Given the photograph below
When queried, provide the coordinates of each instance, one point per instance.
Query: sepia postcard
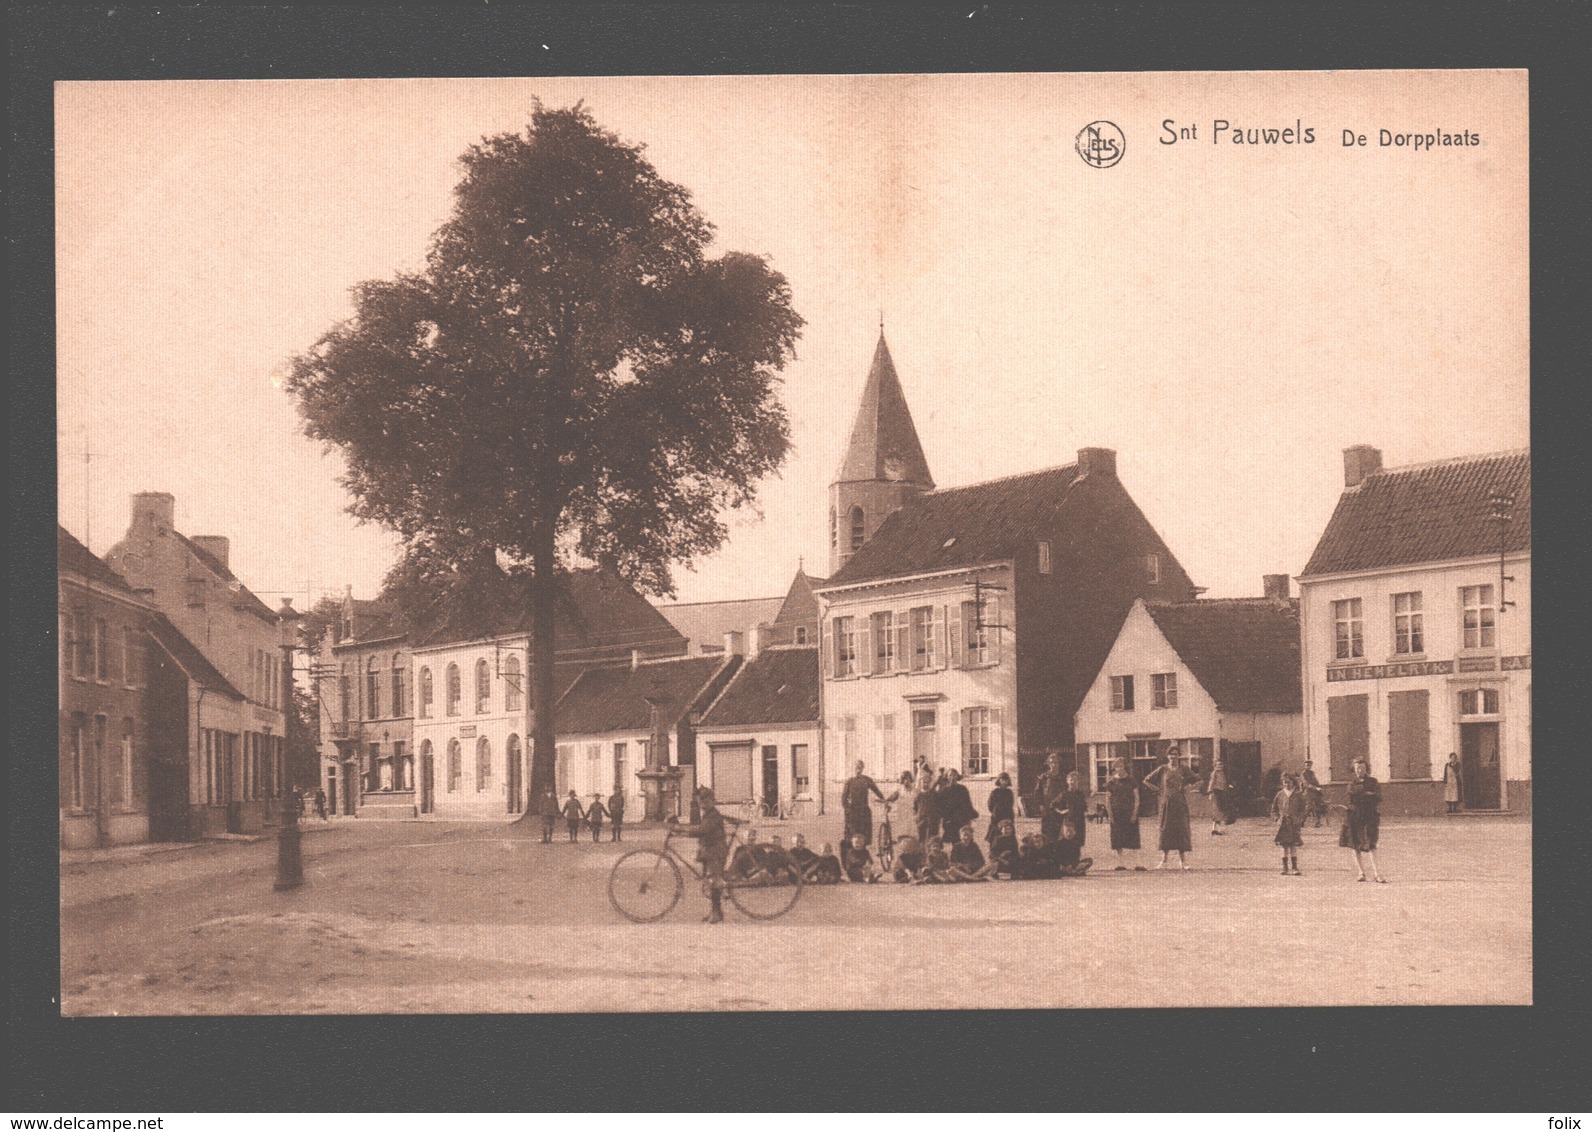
(794, 542)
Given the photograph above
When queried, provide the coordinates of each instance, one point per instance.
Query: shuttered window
(1409, 741)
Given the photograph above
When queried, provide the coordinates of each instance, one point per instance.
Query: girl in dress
(1124, 811)
(1171, 779)
(1362, 821)
(1002, 806)
(1221, 795)
(1288, 807)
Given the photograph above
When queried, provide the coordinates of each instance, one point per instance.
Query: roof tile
(1243, 651)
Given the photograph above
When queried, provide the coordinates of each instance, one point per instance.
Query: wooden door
(1348, 734)
(1478, 758)
(428, 780)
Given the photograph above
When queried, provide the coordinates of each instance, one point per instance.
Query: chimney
(156, 507)
(762, 637)
(635, 659)
(1275, 586)
(1097, 461)
(1358, 462)
(218, 546)
(733, 643)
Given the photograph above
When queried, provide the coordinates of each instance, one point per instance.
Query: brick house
(1415, 611)
(963, 625)
(367, 712)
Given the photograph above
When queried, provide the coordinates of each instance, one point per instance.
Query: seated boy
(1003, 851)
(857, 864)
(909, 859)
(936, 865)
(748, 860)
(1036, 859)
(826, 869)
(967, 859)
(804, 857)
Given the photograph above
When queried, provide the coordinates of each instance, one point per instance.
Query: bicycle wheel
(886, 851)
(645, 885)
(769, 895)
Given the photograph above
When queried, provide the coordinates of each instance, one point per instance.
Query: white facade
(1476, 677)
(472, 749)
(733, 759)
(599, 764)
(1168, 704)
(941, 690)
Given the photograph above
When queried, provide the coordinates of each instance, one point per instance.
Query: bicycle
(645, 884)
(884, 851)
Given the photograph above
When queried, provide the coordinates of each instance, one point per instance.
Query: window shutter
(937, 635)
(992, 618)
(955, 634)
(865, 645)
(997, 742)
(964, 725)
(903, 634)
(826, 649)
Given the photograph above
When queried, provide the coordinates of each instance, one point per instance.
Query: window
(1122, 693)
(801, 767)
(483, 763)
(845, 646)
(848, 740)
(1348, 630)
(455, 765)
(979, 726)
(513, 689)
(1479, 701)
(923, 636)
(981, 632)
(925, 736)
(372, 689)
(1044, 557)
(1152, 568)
(403, 766)
(834, 531)
(100, 727)
(345, 691)
(373, 767)
(561, 772)
(400, 700)
(196, 593)
(102, 658)
(68, 643)
(84, 664)
(1163, 690)
(483, 685)
(801, 634)
(621, 767)
(1408, 635)
(1479, 619)
(884, 642)
(78, 771)
(858, 529)
(425, 693)
(884, 733)
(455, 690)
(123, 794)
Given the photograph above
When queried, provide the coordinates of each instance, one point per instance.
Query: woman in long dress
(1124, 810)
(1453, 784)
(1171, 779)
(1221, 794)
(1363, 820)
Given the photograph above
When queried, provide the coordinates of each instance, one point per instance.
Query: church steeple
(883, 465)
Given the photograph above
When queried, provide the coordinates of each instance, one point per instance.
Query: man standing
(713, 846)
(956, 808)
(1052, 785)
(616, 812)
(854, 804)
(547, 807)
(320, 804)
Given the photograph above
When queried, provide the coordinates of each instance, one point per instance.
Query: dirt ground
(431, 917)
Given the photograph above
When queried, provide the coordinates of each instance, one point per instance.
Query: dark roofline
(187, 656)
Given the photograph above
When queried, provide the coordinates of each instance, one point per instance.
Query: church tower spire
(883, 466)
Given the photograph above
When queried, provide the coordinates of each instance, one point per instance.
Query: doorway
(350, 776)
(1478, 761)
(771, 778)
(428, 779)
(513, 774)
(924, 722)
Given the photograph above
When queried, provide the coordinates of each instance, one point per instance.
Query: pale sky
(1227, 317)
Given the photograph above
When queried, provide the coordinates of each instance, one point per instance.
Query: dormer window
(1044, 557)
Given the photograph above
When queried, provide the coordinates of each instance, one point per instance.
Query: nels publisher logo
(1101, 144)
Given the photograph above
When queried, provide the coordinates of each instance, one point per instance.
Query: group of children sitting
(1032, 858)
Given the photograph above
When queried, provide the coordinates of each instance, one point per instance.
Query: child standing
(1289, 808)
(594, 817)
(573, 815)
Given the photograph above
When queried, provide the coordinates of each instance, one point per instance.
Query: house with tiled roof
(704, 623)
(471, 672)
(1415, 612)
(611, 716)
(962, 626)
(237, 780)
(759, 738)
(1218, 677)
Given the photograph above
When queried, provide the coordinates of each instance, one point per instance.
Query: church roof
(884, 442)
(800, 606)
(1427, 513)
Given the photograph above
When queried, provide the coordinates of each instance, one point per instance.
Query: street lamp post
(289, 853)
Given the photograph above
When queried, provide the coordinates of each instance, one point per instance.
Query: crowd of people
(942, 847)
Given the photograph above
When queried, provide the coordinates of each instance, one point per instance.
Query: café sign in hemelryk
(1429, 668)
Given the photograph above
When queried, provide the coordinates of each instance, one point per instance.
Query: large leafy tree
(572, 379)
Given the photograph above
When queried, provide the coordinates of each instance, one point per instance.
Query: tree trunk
(544, 607)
